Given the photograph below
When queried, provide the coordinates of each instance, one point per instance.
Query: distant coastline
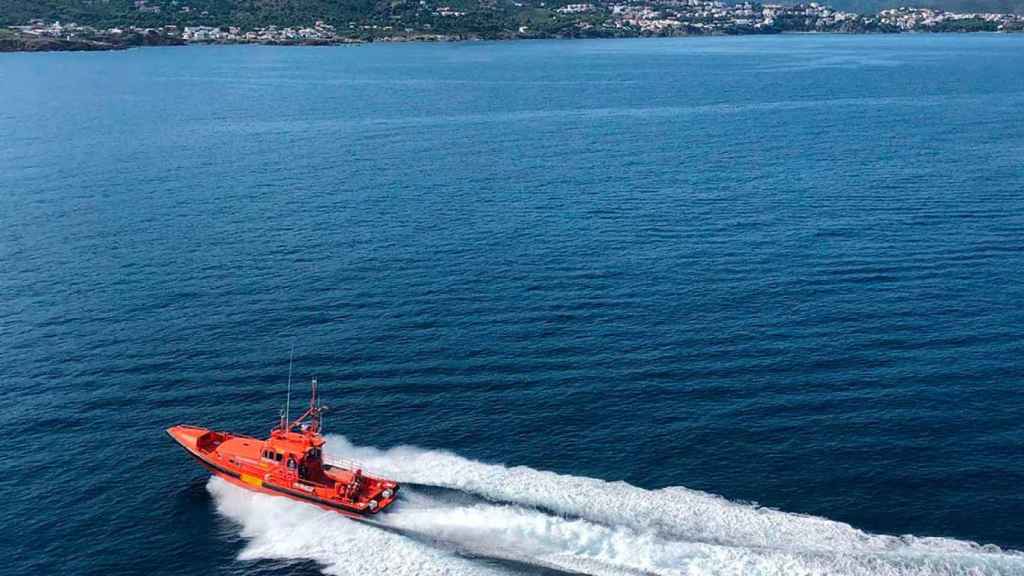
(658, 18)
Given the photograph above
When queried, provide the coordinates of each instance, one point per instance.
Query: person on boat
(354, 485)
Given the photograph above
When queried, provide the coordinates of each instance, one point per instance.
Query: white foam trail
(283, 529)
(678, 514)
(602, 528)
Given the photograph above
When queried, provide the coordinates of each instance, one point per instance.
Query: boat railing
(347, 464)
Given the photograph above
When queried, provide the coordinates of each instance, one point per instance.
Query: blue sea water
(569, 291)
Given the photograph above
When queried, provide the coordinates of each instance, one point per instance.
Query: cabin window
(277, 456)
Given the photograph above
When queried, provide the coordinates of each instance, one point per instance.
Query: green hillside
(154, 12)
(479, 15)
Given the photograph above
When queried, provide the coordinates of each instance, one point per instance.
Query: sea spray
(575, 524)
(283, 529)
(674, 512)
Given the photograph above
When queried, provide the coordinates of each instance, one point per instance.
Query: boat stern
(387, 496)
(381, 496)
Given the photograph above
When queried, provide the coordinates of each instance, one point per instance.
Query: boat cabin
(299, 453)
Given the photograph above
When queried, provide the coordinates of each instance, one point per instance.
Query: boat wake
(459, 516)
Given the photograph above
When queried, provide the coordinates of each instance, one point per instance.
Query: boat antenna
(288, 399)
(313, 409)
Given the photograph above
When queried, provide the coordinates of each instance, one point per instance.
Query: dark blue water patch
(783, 270)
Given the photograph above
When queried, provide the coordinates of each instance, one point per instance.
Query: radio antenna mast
(288, 399)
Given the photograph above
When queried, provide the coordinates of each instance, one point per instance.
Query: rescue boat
(289, 463)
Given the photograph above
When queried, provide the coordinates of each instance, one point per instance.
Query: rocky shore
(17, 41)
